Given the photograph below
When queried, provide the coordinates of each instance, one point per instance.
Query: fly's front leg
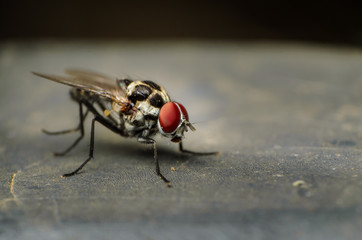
(91, 149)
(196, 153)
(158, 172)
(80, 127)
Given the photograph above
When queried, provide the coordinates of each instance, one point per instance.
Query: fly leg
(195, 153)
(80, 128)
(105, 123)
(147, 140)
(69, 130)
(91, 149)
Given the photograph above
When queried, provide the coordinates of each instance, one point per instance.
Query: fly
(129, 108)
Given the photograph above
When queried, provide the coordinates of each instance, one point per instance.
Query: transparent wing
(92, 82)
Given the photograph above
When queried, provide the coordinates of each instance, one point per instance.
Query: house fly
(130, 108)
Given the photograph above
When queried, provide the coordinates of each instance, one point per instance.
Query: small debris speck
(278, 175)
(302, 188)
(299, 183)
(173, 169)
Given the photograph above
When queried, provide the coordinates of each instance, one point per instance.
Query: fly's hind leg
(195, 153)
(80, 128)
(105, 123)
(91, 150)
(148, 140)
(81, 116)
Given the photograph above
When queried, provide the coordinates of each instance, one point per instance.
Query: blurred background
(331, 22)
(276, 87)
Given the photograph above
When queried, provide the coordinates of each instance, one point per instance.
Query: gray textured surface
(277, 113)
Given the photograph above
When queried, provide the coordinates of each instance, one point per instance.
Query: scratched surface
(286, 118)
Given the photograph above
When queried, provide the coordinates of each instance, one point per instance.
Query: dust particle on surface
(299, 183)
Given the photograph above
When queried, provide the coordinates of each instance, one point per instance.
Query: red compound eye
(183, 110)
(169, 117)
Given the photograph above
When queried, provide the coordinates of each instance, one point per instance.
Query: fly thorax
(147, 109)
(136, 119)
